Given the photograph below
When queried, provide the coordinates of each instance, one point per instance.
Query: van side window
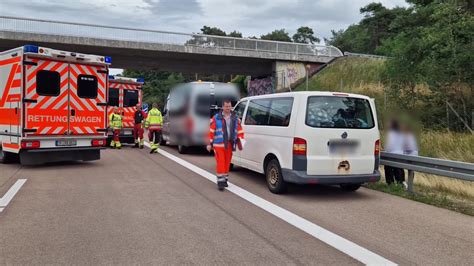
(113, 97)
(258, 112)
(48, 83)
(280, 112)
(240, 108)
(87, 86)
(130, 98)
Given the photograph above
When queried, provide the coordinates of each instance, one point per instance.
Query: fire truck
(125, 94)
(52, 105)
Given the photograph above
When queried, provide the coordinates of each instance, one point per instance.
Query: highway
(135, 208)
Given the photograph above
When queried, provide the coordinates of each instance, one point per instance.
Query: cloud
(251, 17)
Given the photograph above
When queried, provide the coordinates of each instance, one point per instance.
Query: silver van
(188, 109)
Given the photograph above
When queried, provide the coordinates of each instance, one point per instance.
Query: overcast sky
(251, 17)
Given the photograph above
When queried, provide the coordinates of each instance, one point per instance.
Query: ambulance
(124, 94)
(53, 105)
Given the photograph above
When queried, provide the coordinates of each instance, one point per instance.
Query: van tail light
(34, 144)
(98, 142)
(299, 146)
(189, 125)
(377, 147)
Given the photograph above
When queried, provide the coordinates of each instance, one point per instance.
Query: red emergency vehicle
(52, 105)
(125, 93)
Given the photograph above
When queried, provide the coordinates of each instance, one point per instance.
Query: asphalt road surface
(135, 208)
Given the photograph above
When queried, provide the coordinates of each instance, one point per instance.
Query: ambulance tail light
(98, 143)
(30, 49)
(30, 144)
(299, 146)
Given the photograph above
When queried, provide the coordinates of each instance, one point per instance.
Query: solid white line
(355, 251)
(11, 192)
(1, 209)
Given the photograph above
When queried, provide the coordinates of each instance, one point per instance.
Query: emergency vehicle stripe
(44, 104)
(89, 130)
(8, 84)
(45, 130)
(78, 130)
(75, 71)
(57, 130)
(101, 83)
(10, 61)
(38, 68)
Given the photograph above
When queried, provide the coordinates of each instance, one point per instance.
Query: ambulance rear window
(47, 83)
(87, 86)
(113, 97)
(130, 98)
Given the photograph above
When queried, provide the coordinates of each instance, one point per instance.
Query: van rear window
(87, 86)
(113, 97)
(338, 112)
(47, 83)
(130, 98)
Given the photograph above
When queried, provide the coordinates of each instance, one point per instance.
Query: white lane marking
(350, 248)
(11, 193)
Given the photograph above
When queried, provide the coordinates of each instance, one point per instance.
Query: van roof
(307, 93)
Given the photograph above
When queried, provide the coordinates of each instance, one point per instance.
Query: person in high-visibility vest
(138, 118)
(225, 134)
(115, 123)
(153, 123)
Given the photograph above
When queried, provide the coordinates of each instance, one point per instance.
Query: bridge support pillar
(286, 76)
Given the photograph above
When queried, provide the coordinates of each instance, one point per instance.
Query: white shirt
(395, 142)
(410, 145)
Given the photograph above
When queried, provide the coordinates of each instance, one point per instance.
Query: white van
(310, 138)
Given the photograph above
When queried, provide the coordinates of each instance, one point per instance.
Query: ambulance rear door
(46, 97)
(87, 96)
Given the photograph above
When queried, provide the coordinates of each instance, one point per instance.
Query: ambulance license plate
(66, 142)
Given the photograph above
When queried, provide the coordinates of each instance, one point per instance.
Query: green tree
(305, 35)
(212, 31)
(235, 34)
(277, 35)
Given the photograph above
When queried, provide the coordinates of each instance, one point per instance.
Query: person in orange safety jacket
(225, 134)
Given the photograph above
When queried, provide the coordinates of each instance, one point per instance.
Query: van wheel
(182, 149)
(350, 187)
(6, 157)
(274, 176)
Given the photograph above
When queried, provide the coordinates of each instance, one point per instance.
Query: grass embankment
(363, 76)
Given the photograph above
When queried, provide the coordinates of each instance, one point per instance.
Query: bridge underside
(167, 57)
(166, 61)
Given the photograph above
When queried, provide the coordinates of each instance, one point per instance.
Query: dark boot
(221, 183)
(136, 145)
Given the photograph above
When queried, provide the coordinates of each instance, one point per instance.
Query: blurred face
(155, 105)
(227, 107)
(139, 107)
(116, 110)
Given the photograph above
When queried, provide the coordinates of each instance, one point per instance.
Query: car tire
(274, 177)
(6, 157)
(182, 149)
(350, 187)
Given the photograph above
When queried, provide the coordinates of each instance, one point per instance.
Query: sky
(250, 17)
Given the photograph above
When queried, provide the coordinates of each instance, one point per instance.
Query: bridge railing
(70, 29)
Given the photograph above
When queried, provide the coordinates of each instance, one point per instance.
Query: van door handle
(73, 112)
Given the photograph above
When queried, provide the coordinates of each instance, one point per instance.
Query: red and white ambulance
(52, 105)
(125, 94)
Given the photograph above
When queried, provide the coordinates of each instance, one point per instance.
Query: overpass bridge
(163, 50)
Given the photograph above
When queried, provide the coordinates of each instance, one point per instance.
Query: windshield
(339, 112)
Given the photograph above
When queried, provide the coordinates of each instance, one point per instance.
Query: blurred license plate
(343, 146)
(66, 142)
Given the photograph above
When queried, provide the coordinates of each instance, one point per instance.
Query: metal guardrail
(366, 55)
(452, 169)
(70, 29)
